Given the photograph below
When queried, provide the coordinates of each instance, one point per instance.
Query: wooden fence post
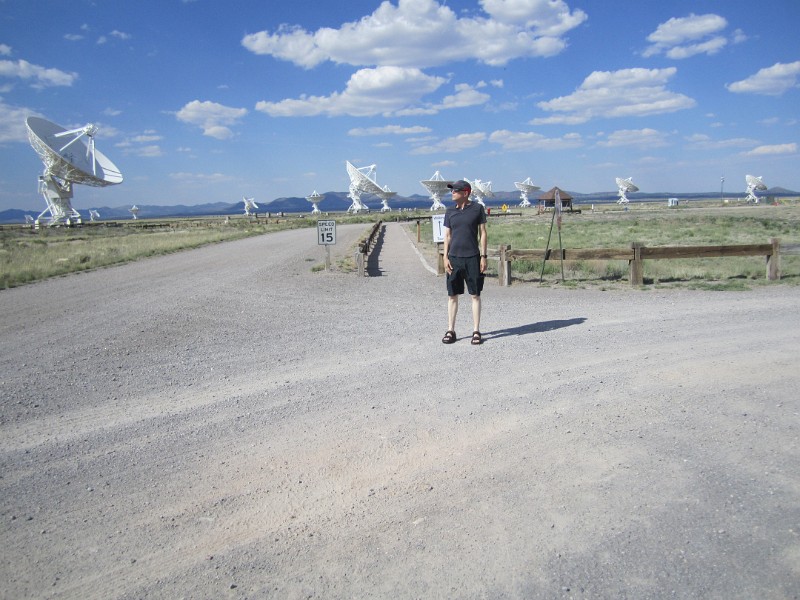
(774, 260)
(439, 258)
(504, 265)
(636, 264)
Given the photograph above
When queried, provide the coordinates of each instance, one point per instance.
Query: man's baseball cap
(460, 186)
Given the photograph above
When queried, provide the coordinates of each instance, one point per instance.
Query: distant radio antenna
(362, 181)
(134, 210)
(525, 188)
(249, 205)
(481, 190)
(753, 184)
(93, 214)
(625, 186)
(437, 187)
(66, 162)
(315, 199)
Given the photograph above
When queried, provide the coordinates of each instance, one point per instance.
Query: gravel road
(226, 423)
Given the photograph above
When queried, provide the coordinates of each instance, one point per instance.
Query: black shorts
(465, 269)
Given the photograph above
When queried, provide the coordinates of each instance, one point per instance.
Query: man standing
(464, 258)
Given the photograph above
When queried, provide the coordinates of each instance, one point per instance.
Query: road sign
(438, 228)
(326, 233)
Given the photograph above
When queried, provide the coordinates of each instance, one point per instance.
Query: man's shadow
(373, 266)
(534, 328)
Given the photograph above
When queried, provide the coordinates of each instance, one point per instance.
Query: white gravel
(225, 423)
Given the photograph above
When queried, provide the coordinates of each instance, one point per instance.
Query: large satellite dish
(315, 199)
(134, 210)
(625, 186)
(69, 156)
(249, 205)
(480, 190)
(362, 181)
(525, 187)
(437, 187)
(754, 184)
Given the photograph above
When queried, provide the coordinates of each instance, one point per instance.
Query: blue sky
(202, 101)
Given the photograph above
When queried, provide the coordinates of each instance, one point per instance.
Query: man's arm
(484, 246)
(447, 266)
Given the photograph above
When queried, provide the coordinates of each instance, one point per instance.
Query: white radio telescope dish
(480, 190)
(362, 181)
(754, 184)
(525, 188)
(69, 156)
(625, 186)
(437, 187)
(249, 204)
(315, 199)
(134, 210)
(93, 214)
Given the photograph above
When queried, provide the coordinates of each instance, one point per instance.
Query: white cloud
(12, 122)
(700, 141)
(424, 33)
(458, 143)
(609, 94)
(213, 118)
(120, 35)
(42, 77)
(646, 138)
(770, 81)
(772, 150)
(383, 90)
(515, 141)
(201, 177)
(73, 37)
(388, 129)
(686, 36)
(112, 112)
(5, 50)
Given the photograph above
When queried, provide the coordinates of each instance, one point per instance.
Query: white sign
(326, 233)
(438, 228)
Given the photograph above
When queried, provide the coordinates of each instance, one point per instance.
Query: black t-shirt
(464, 225)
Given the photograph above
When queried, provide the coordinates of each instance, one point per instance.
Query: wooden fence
(636, 254)
(365, 247)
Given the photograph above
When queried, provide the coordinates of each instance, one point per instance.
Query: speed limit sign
(326, 233)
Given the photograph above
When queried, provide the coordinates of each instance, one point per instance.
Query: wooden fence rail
(636, 254)
(365, 247)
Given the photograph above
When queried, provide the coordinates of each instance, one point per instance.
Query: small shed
(548, 199)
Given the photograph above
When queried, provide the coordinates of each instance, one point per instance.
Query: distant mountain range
(339, 202)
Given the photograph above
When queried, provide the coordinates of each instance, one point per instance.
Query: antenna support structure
(525, 187)
(249, 205)
(481, 190)
(64, 166)
(437, 187)
(362, 181)
(315, 199)
(753, 184)
(625, 186)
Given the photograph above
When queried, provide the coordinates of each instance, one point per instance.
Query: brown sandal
(449, 337)
(476, 338)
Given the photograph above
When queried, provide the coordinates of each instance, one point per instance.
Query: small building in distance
(548, 199)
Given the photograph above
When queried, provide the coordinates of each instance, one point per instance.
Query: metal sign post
(326, 236)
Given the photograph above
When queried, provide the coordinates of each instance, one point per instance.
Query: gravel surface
(226, 423)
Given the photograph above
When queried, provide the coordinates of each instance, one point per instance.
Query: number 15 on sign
(326, 235)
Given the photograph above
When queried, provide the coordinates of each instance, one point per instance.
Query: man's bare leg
(452, 311)
(476, 313)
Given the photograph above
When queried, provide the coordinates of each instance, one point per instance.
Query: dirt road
(225, 423)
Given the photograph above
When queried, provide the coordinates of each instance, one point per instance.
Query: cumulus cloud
(12, 122)
(41, 77)
(687, 36)
(369, 92)
(515, 141)
(424, 33)
(465, 96)
(772, 150)
(610, 94)
(770, 81)
(201, 178)
(458, 143)
(646, 138)
(211, 117)
(5, 50)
